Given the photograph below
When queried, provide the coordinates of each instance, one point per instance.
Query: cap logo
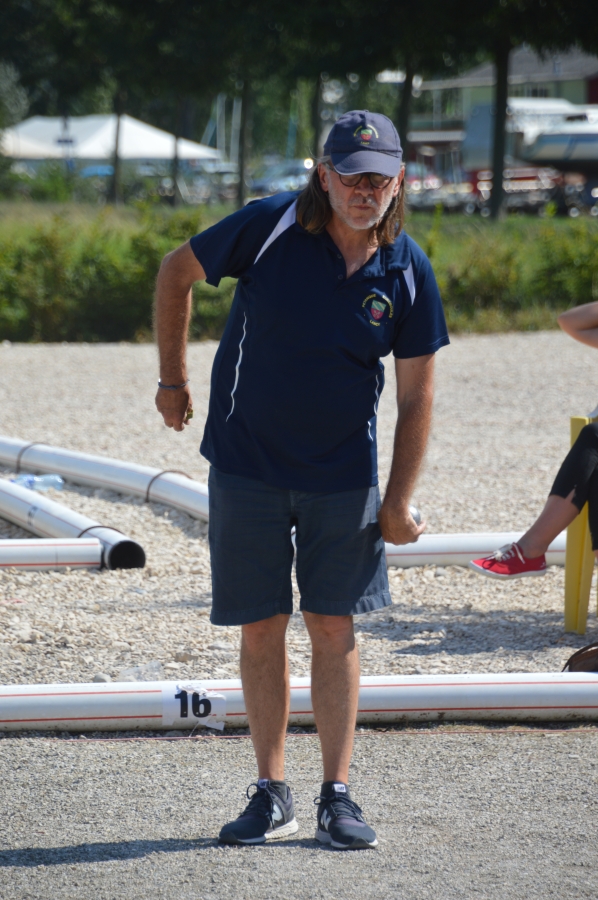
(365, 133)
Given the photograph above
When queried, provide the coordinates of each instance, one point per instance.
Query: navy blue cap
(362, 141)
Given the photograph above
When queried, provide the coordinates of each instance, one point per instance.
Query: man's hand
(397, 525)
(175, 406)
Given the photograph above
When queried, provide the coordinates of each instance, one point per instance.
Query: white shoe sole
(284, 831)
(290, 828)
(488, 574)
(324, 838)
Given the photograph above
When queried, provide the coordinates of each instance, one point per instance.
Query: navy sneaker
(340, 822)
(269, 814)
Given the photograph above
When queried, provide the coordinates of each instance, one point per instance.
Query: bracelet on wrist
(172, 387)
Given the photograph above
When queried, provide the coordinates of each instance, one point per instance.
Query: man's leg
(252, 557)
(341, 571)
(335, 695)
(334, 689)
(265, 676)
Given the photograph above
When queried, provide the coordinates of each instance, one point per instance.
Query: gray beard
(378, 212)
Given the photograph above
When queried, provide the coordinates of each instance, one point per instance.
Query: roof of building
(525, 66)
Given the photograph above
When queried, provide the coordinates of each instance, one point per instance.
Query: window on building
(538, 91)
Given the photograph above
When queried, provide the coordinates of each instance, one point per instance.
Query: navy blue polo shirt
(297, 377)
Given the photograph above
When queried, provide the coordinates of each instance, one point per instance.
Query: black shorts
(341, 563)
(579, 473)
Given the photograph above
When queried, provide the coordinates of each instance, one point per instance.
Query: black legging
(579, 472)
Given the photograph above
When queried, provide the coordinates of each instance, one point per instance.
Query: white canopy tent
(93, 138)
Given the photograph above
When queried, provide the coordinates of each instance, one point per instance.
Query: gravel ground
(493, 815)
(500, 430)
(461, 812)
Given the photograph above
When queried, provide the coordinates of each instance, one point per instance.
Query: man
(328, 284)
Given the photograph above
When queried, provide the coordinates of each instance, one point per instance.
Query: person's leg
(569, 493)
(558, 513)
(252, 555)
(571, 490)
(335, 696)
(593, 511)
(341, 571)
(334, 689)
(265, 677)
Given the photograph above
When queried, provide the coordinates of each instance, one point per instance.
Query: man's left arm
(415, 394)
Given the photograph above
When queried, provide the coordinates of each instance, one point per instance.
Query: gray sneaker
(269, 814)
(340, 821)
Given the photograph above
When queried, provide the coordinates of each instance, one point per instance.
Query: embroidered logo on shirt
(377, 309)
(375, 306)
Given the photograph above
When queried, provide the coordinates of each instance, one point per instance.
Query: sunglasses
(377, 181)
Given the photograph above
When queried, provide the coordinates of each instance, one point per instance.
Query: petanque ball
(415, 515)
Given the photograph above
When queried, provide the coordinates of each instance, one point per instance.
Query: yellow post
(579, 558)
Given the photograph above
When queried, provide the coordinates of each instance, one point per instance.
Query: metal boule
(415, 514)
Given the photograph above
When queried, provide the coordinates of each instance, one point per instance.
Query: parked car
(425, 191)
(291, 175)
(527, 189)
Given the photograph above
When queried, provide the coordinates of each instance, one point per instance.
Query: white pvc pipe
(548, 696)
(55, 553)
(192, 497)
(46, 518)
(459, 549)
(171, 488)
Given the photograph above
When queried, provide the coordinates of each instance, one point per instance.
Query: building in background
(569, 76)
(552, 128)
(443, 108)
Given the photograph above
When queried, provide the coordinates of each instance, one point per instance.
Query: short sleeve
(423, 330)
(230, 247)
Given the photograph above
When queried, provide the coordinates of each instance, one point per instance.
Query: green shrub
(52, 182)
(36, 301)
(97, 283)
(175, 227)
(488, 275)
(568, 270)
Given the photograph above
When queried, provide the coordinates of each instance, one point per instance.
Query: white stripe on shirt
(285, 222)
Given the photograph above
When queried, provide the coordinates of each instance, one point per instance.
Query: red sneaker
(509, 562)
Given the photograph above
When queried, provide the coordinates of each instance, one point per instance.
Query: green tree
(13, 97)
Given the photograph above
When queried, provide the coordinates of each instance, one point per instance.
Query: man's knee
(258, 636)
(332, 633)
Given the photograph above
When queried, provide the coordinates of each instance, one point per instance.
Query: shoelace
(260, 803)
(507, 552)
(341, 806)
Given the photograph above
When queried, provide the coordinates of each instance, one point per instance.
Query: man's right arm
(178, 273)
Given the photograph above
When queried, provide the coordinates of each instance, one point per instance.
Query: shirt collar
(394, 256)
(398, 255)
(387, 259)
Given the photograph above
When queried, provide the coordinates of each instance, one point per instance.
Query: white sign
(189, 704)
